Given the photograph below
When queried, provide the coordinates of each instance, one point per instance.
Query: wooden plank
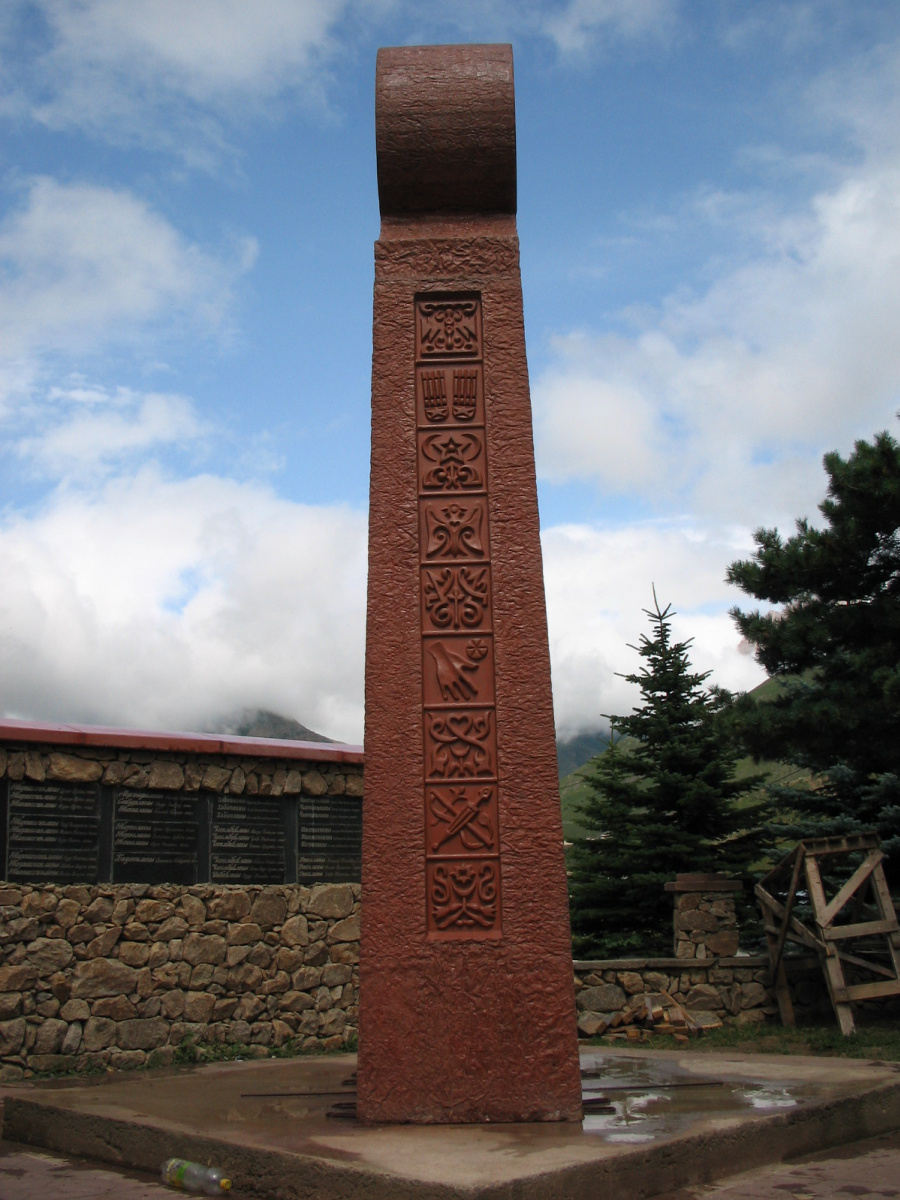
(863, 929)
(841, 845)
(782, 989)
(875, 968)
(856, 880)
(886, 908)
(778, 949)
(779, 871)
(803, 935)
(838, 991)
(871, 991)
(814, 887)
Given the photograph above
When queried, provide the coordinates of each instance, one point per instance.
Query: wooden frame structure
(860, 912)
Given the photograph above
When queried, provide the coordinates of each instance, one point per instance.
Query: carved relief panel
(462, 834)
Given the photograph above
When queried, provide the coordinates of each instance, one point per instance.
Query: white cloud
(724, 400)
(80, 264)
(113, 427)
(159, 71)
(598, 583)
(583, 20)
(164, 603)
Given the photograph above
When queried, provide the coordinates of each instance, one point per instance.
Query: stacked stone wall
(734, 990)
(110, 975)
(181, 771)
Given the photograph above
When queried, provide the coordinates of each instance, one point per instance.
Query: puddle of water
(644, 1108)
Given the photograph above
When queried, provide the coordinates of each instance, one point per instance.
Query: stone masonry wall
(109, 975)
(704, 920)
(735, 990)
(184, 771)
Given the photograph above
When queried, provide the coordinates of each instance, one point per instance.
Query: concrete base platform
(673, 1120)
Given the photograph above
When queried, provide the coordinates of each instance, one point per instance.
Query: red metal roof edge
(208, 743)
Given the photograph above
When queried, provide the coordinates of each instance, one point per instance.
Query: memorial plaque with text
(247, 840)
(155, 837)
(330, 839)
(53, 832)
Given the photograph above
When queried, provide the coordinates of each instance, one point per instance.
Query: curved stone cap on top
(445, 130)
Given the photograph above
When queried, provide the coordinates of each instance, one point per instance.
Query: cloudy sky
(709, 211)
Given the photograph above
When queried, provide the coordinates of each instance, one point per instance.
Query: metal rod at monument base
(467, 1010)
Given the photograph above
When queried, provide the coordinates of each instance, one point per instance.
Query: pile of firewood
(663, 1016)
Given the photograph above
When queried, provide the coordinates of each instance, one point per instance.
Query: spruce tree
(835, 643)
(662, 801)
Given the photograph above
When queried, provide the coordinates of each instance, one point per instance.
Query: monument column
(467, 1007)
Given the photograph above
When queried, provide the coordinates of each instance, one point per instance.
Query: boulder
(12, 1036)
(215, 778)
(696, 919)
(199, 1006)
(230, 906)
(336, 973)
(245, 934)
(703, 997)
(98, 1033)
(314, 784)
(344, 952)
(49, 955)
(348, 930)
(331, 900)
(67, 913)
(135, 954)
(117, 1008)
(19, 929)
(172, 929)
(10, 1003)
(150, 911)
(269, 908)
(725, 943)
(753, 995)
(203, 948)
(50, 1036)
(102, 977)
(75, 1010)
(104, 942)
(72, 1040)
(69, 768)
(51, 1062)
(142, 1033)
(20, 978)
(166, 775)
(296, 1002)
(591, 1023)
(605, 997)
(295, 931)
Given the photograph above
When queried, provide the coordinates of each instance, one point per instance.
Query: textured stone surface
(457, 98)
(605, 997)
(473, 1029)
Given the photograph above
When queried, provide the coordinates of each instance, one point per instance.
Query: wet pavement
(663, 1119)
(867, 1168)
(32, 1175)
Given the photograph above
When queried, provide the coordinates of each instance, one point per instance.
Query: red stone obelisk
(467, 1009)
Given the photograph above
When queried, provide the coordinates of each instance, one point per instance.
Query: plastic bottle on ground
(194, 1177)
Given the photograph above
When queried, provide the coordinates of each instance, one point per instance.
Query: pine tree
(836, 644)
(662, 801)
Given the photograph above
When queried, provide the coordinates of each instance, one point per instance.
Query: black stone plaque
(53, 832)
(248, 841)
(155, 837)
(330, 839)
